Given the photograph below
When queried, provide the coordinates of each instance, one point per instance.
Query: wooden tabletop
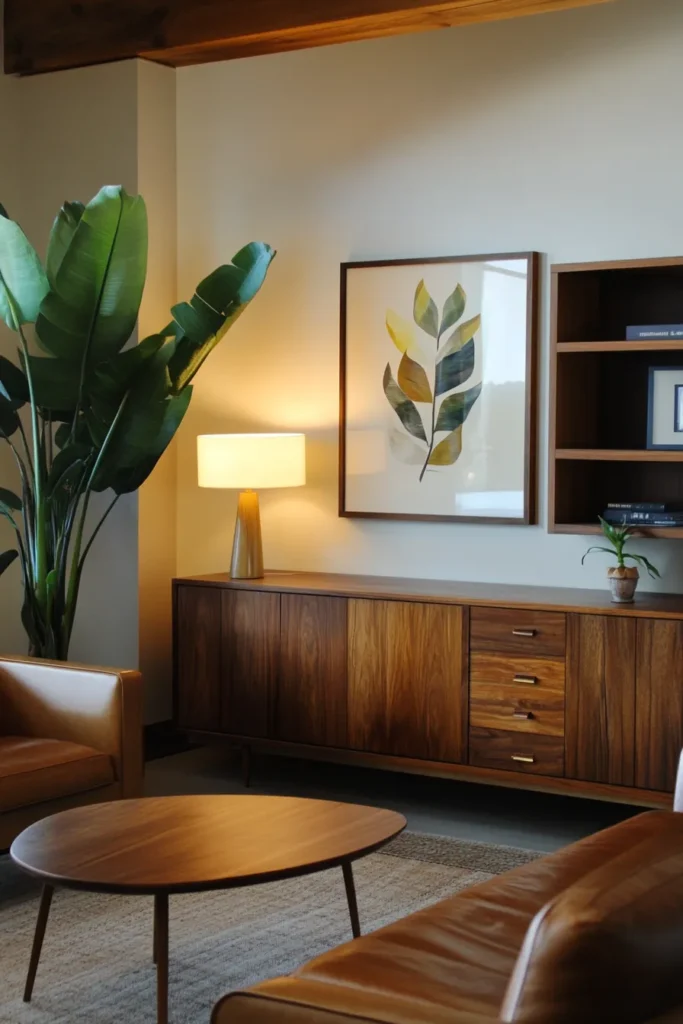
(193, 843)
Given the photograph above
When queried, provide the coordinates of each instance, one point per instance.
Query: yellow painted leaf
(460, 336)
(413, 380)
(400, 331)
(447, 451)
(425, 312)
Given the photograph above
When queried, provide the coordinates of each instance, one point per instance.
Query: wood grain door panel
(250, 660)
(601, 699)
(198, 659)
(407, 679)
(310, 705)
(659, 701)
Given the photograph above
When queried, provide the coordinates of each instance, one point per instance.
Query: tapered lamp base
(247, 551)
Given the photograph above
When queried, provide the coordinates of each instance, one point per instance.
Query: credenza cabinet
(521, 686)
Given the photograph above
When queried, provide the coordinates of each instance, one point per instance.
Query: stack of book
(643, 513)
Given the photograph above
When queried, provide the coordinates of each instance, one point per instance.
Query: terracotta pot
(623, 583)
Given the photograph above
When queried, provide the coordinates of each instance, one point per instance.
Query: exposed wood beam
(51, 35)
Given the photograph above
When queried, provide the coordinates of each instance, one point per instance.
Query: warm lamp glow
(251, 460)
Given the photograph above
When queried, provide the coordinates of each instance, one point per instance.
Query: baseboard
(162, 739)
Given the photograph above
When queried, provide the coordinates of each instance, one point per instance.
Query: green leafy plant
(453, 365)
(88, 416)
(618, 538)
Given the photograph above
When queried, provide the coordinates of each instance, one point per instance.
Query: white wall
(561, 133)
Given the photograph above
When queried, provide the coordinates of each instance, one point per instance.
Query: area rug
(96, 965)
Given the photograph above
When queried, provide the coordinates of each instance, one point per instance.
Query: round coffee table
(179, 844)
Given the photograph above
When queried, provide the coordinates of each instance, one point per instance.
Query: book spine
(645, 519)
(655, 332)
(637, 506)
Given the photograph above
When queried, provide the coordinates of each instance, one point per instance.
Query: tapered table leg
(161, 951)
(351, 897)
(154, 935)
(41, 925)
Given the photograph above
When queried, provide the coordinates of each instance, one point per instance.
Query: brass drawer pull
(522, 714)
(523, 759)
(527, 680)
(524, 632)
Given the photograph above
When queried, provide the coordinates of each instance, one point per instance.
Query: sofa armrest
(97, 707)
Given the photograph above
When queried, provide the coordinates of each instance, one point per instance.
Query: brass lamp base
(247, 551)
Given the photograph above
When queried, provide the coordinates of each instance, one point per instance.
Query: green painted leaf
(9, 421)
(413, 380)
(63, 229)
(6, 560)
(425, 312)
(92, 307)
(456, 408)
(455, 369)
(460, 336)
(23, 283)
(10, 500)
(405, 449)
(453, 309)
(447, 451)
(403, 407)
(13, 383)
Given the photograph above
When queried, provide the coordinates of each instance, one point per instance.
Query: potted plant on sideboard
(623, 579)
(87, 416)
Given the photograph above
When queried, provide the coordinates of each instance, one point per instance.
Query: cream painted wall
(561, 133)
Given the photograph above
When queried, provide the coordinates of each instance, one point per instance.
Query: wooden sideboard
(530, 687)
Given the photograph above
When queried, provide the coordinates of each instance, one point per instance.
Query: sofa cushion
(611, 946)
(457, 956)
(36, 770)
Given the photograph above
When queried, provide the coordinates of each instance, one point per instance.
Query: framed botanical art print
(438, 388)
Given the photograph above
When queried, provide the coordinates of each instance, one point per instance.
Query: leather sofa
(592, 934)
(69, 735)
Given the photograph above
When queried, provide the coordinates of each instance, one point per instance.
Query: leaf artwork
(453, 362)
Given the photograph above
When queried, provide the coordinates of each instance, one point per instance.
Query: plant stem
(431, 443)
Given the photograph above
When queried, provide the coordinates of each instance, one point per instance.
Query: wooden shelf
(619, 346)
(594, 529)
(618, 455)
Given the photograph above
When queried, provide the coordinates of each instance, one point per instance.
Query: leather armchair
(69, 735)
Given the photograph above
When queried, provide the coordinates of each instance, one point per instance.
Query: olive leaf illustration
(453, 365)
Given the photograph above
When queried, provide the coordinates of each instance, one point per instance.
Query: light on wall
(245, 462)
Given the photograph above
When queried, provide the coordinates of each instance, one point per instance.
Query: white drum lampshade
(245, 462)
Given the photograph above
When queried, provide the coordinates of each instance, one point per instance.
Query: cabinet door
(250, 655)
(198, 657)
(659, 703)
(407, 679)
(600, 699)
(311, 693)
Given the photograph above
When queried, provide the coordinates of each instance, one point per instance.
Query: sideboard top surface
(566, 599)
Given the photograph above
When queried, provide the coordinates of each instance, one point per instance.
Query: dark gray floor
(486, 814)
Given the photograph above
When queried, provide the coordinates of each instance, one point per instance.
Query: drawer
(517, 670)
(515, 630)
(517, 708)
(515, 752)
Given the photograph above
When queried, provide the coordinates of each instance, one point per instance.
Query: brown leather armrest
(98, 707)
(245, 1008)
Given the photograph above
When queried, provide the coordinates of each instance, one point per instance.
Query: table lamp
(246, 462)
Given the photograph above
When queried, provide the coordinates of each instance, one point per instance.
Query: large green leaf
(10, 501)
(91, 310)
(403, 407)
(23, 283)
(456, 408)
(455, 369)
(6, 560)
(130, 479)
(63, 229)
(9, 421)
(13, 383)
(217, 303)
(425, 312)
(453, 309)
(55, 383)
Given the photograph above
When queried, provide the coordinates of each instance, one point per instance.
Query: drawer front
(515, 752)
(517, 631)
(520, 671)
(522, 709)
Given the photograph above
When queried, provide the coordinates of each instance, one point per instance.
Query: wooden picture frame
(381, 433)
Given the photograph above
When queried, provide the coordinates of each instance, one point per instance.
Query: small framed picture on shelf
(665, 408)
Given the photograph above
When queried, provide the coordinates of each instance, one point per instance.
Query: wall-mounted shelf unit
(599, 390)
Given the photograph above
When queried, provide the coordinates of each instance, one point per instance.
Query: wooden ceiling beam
(52, 35)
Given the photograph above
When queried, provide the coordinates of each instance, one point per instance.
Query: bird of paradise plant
(85, 416)
(453, 365)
